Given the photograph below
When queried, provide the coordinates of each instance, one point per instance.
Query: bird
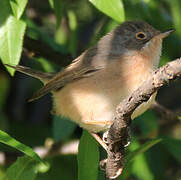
(89, 89)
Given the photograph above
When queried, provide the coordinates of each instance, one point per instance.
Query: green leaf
(111, 25)
(72, 46)
(2, 173)
(25, 168)
(46, 65)
(147, 128)
(11, 36)
(72, 20)
(58, 6)
(179, 117)
(18, 7)
(137, 161)
(112, 8)
(88, 157)
(62, 128)
(143, 148)
(63, 167)
(175, 9)
(140, 167)
(174, 147)
(8, 140)
(35, 32)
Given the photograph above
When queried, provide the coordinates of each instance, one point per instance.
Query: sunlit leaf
(111, 25)
(179, 117)
(72, 20)
(175, 9)
(8, 140)
(25, 168)
(88, 158)
(72, 46)
(11, 35)
(47, 66)
(113, 8)
(18, 7)
(61, 36)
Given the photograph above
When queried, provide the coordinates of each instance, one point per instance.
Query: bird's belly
(92, 107)
(91, 102)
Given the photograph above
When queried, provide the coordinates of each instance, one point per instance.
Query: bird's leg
(98, 122)
(104, 137)
(99, 140)
(96, 136)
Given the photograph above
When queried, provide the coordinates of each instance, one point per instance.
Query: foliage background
(62, 30)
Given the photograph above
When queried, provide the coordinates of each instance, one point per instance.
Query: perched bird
(89, 89)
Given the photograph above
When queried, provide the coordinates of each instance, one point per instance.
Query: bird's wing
(77, 70)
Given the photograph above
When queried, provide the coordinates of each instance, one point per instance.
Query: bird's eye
(140, 35)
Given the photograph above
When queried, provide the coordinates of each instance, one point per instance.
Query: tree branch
(118, 132)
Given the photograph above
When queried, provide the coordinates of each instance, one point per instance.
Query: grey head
(133, 35)
(126, 38)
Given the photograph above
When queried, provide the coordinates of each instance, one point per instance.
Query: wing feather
(74, 71)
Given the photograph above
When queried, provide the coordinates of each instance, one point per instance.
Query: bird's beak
(165, 34)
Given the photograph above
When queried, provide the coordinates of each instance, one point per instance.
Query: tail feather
(44, 77)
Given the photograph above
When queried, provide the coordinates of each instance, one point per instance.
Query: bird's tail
(44, 77)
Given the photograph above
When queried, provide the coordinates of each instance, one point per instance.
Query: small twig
(167, 117)
(118, 133)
